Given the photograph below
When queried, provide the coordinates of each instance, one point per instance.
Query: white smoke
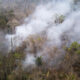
(29, 61)
(43, 20)
(40, 20)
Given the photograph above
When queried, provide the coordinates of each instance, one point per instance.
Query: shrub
(18, 55)
(59, 19)
(3, 21)
(74, 47)
(5, 17)
(71, 77)
(78, 51)
(39, 61)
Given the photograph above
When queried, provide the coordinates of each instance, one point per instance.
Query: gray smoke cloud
(43, 20)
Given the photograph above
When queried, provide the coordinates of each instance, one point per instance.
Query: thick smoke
(43, 21)
(29, 61)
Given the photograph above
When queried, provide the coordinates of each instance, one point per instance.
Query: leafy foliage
(75, 48)
(39, 61)
(5, 17)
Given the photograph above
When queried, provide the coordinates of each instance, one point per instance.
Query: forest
(39, 40)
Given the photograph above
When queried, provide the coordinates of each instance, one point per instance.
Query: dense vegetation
(5, 18)
(11, 67)
(69, 69)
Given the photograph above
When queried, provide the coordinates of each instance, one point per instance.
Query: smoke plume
(57, 20)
